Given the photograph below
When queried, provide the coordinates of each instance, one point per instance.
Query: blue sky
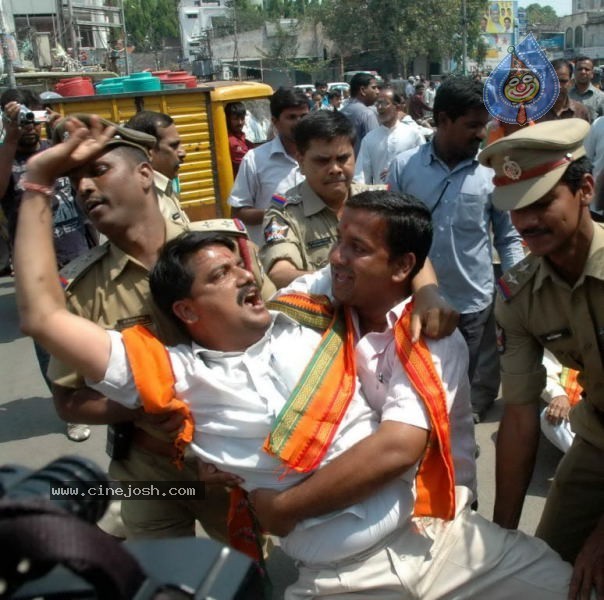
(562, 7)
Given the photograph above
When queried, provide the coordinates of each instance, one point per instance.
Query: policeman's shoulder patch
(280, 202)
(275, 232)
(228, 226)
(78, 267)
(517, 277)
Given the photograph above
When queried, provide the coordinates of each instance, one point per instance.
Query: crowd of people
(321, 359)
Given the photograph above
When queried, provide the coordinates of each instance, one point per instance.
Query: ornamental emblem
(274, 232)
(511, 169)
(524, 86)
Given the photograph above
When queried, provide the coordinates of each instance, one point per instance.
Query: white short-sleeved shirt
(234, 398)
(389, 391)
(264, 171)
(380, 146)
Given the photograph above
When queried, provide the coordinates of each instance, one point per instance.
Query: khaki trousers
(575, 502)
(168, 517)
(431, 559)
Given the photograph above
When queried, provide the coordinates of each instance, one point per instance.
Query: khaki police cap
(123, 136)
(530, 162)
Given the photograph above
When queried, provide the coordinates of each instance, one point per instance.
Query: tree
(284, 44)
(400, 30)
(541, 15)
(480, 52)
(150, 22)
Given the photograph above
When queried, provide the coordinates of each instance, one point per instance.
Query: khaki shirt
(169, 204)
(301, 228)
(537, 309)
(111, 288)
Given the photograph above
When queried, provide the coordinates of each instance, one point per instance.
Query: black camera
(51, 548)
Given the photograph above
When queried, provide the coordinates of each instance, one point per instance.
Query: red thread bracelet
(30, 186)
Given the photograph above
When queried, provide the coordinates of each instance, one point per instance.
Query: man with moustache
(584, 91)
(166, 157)
(300, 225)
(552, 300)
(110, 286)
(380, 146)
(564, 107)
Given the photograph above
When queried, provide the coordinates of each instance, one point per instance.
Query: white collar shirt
(388, 390)
(264, 171)
(234, 398)
(380, 146)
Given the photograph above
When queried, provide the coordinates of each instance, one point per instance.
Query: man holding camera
(22, 121)
(23, 127)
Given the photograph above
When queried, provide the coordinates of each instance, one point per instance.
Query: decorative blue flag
(523, 86)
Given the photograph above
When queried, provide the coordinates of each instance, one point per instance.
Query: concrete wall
(252, 44)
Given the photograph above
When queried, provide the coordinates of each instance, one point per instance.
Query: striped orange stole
(568, 380)
(435, 479)
(305, 426)
(308, 422)
(154, 379)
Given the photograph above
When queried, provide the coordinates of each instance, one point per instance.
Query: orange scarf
(435, 479)
(568, 379)
(306, 425)
(154, 379)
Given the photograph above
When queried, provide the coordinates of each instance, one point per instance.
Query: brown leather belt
(150, 443)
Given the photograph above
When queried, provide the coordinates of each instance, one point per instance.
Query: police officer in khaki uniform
(166, 157)
(554, 299)
(300, 226)
(110, 286)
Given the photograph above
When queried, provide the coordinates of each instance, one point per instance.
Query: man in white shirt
(381, 145)
(270, 168)
(240, 368)
(467, 557)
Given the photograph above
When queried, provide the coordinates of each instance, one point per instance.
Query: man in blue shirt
(447, 177)
(363, 92)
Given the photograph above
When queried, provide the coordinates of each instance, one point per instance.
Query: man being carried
(110, 286)
(240, 365)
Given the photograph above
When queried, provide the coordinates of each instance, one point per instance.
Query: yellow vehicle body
(206, 176)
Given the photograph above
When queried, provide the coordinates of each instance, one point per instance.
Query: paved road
(32, 435)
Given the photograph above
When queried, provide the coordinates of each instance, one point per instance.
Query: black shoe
(477, 451)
